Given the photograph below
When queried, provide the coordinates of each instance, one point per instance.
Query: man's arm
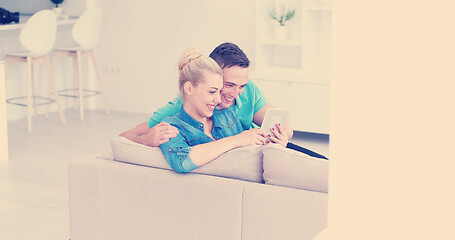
(153, 133)
(261, 103)
(152, 137)
(258, 117)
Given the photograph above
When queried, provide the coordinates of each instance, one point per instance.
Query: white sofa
(257, 192)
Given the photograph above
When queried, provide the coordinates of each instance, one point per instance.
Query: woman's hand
(255, 136)
(280, 135)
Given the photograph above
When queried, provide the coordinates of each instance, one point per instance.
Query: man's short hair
(229, 55)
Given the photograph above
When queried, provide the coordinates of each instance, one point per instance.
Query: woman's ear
(188, 88)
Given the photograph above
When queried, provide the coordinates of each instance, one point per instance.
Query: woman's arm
(183, 158)
(204, 153)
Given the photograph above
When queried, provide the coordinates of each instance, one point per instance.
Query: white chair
(85, 32)
(38, 37)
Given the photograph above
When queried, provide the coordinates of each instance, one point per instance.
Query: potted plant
(57, 10)
(281, 12)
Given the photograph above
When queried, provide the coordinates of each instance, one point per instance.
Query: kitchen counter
(23, 18)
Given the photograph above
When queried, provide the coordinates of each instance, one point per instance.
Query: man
(238, 93)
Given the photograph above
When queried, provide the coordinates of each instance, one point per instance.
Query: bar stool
(85, 32)
(38, 37)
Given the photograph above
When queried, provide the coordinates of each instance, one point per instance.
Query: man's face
(235, 79)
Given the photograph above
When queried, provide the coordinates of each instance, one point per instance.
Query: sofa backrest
(242, 163)
(270, 164)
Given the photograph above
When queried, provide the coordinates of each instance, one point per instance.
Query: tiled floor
(33, 183)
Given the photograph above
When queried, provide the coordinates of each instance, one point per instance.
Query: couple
(190, 131)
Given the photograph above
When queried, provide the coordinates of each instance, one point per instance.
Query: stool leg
(100, 84)
(49, 95)
(54, 60)
(79, 78)
(54, 88)
(29, 93)
(75, 78)
(32, 73)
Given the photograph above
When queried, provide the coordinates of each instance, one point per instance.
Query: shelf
(295, 73)
(319, 8)
(291, 76)
(307, 48)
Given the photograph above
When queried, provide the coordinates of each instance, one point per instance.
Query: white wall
(146, 38)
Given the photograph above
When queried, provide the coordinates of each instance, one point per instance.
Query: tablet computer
(272, 117)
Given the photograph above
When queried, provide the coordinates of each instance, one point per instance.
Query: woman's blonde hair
(192, 65)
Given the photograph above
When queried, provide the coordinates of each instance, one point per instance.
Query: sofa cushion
(271, 212)
(289, 168)
(243, 163)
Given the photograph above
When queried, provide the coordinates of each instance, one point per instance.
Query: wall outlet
(113, 70)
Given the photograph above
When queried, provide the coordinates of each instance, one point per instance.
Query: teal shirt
(246, 105)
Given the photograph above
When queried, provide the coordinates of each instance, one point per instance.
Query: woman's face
(205, 96)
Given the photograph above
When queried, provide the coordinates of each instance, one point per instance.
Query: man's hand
(159, 134)
(280, 135)
(152, 137)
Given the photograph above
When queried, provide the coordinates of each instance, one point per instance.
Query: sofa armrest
(139, 202)
(115, 200)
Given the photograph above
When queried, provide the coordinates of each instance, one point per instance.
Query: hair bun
(188, 55)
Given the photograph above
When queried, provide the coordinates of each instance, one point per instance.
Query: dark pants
(304, 150)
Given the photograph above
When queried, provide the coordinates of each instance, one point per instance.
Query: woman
(204, 132)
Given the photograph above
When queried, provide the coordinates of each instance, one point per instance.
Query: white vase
(280, 32)
(58, 11)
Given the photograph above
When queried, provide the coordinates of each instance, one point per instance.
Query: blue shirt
(246, 105)
(191, 133)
